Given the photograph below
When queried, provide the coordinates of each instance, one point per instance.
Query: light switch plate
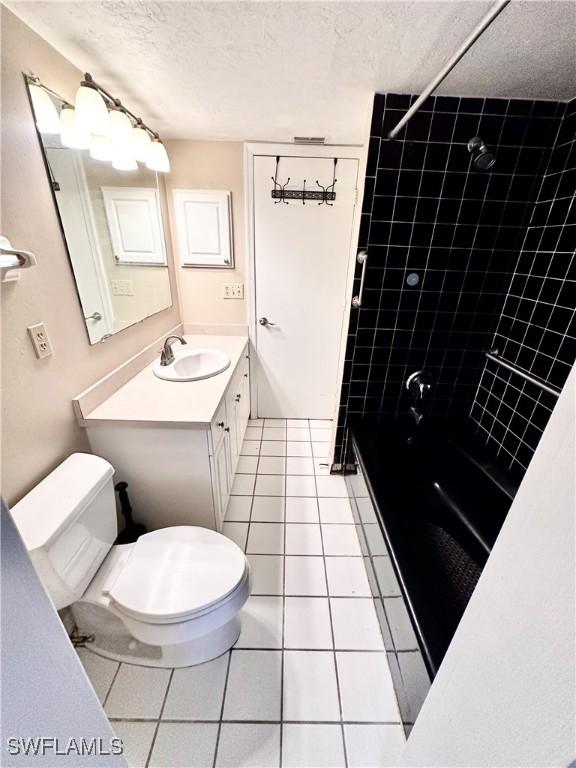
(122, 288)
(40, 341)
(233, 290)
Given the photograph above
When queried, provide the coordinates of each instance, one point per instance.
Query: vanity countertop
(146, 399)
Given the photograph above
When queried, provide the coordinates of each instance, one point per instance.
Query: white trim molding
(253, 149)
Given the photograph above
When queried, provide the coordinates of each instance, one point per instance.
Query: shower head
(482, 157)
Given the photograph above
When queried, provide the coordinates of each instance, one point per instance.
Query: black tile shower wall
(537, 326)
(455, 230)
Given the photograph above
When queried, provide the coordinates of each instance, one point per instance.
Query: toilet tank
(68, 524)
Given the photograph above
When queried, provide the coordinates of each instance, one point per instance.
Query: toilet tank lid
(58, 499)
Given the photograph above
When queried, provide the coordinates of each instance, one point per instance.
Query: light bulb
(120, 128)
(123, 162)
(158, 157)
(120, 137)
(141, 143)
(91, 110)
(45, 112)
(101, 148)
(71, 134)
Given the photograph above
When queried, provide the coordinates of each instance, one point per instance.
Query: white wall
(39, 428)
(209, 165)
(505, 693)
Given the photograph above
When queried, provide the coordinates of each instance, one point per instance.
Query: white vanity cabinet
(179, 472)
(227, 433)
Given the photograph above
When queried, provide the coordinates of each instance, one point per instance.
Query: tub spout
(416, 415)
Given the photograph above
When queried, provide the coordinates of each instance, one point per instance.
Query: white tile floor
(307, 683)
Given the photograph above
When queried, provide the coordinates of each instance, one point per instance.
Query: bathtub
(428, 509)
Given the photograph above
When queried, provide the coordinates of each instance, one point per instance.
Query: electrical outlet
(40, 341)
(233, 290)
(122, 288)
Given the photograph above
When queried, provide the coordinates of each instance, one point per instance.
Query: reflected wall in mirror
(112, 225)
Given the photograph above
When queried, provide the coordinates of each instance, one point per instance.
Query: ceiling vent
(309, 139)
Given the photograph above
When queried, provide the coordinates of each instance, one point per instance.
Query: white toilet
(171, 599)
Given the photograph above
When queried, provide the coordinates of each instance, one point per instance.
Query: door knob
(94, 316)
(265, 321)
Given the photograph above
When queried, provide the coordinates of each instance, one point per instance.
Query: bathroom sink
(193, 364)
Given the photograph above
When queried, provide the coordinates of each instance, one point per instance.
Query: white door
(135, 224)
(301, 255)
(81, 233)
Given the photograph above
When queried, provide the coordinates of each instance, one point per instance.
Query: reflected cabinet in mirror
(112, 224)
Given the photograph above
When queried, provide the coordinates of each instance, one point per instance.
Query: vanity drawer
(218, 424)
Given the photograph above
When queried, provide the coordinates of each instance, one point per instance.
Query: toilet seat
(176, 574)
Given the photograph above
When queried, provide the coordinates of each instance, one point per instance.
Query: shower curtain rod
(496, 9)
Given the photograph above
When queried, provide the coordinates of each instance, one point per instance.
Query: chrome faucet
(418, 384)
(166, 354)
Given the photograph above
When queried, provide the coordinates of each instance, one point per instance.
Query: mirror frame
(163, 209)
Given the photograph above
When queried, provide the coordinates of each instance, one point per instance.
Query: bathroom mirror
(112, 224)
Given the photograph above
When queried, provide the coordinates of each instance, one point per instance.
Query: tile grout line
(246, 540)
(173, 721)
(259, 648)
(284, 556)
(220, 720)
(334, 658)
(280, 756)
(105, 700)
(245, 547)
(159, 719)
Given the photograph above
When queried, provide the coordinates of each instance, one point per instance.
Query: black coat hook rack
(324, 194)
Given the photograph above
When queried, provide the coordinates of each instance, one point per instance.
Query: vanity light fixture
(124, 162)
(71, 134)
(101, 148)
(45, 110)
(142, 141)
(100, 123)
(91, 109)
(158, 157)
(120, 137)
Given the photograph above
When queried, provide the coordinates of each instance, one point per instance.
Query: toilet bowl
(170, 599)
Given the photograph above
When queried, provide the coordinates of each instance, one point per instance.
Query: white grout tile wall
(308, 682)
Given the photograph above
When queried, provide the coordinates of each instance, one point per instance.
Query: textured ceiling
(272, 70)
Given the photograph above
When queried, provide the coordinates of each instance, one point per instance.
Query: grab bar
(361, 258)
(495, 357)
